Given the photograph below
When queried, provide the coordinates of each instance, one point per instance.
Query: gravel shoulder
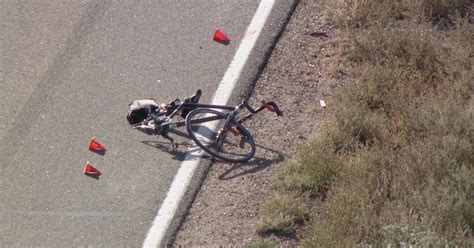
(298, 74)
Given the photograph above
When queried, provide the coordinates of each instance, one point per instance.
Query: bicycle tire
(224, 149)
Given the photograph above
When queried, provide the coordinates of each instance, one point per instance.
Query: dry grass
(354, 14)
(394, 164)
(283, 216)
(261, 244)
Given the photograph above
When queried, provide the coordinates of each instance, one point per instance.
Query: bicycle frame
(165, 123)
(231, 115)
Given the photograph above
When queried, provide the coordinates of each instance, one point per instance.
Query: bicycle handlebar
(272, 107)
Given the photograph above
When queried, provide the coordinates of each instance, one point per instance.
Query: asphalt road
(68, 70)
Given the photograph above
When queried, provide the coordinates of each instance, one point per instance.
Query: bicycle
(220, 134)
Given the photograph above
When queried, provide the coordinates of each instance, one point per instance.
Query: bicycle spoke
(232, 143)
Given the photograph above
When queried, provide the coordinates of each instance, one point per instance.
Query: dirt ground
(298, 75)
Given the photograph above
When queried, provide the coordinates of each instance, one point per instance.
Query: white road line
(82, 214)
(186, 171)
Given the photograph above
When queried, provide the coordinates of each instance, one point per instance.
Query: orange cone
(91, 170)
(221, 37)
(95, 146)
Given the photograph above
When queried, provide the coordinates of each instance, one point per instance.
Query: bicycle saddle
(194, 98)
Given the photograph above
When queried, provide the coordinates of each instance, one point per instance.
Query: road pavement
(68, 70)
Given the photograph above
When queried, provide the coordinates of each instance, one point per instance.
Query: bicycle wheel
(235, 144)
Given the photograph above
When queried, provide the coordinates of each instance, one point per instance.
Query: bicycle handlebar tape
(265, 104)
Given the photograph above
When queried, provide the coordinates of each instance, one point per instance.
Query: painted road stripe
(86, 214)
(168, 209)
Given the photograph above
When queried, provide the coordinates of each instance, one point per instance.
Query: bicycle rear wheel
(233, 143)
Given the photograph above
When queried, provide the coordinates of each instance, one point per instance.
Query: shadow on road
(168, 147)
(178, 153)
(256, 164)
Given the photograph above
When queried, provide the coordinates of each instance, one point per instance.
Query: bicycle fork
(235, 130)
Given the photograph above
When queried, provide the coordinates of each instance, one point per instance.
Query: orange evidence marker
(95, 146)
(220, 37)
(91, 171)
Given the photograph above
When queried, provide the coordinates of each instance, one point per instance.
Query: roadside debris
(322, 103)
(220, 37)
(319, 34)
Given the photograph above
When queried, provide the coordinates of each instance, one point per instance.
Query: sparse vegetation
(283, 215)
(261, 244)
(393, 165)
